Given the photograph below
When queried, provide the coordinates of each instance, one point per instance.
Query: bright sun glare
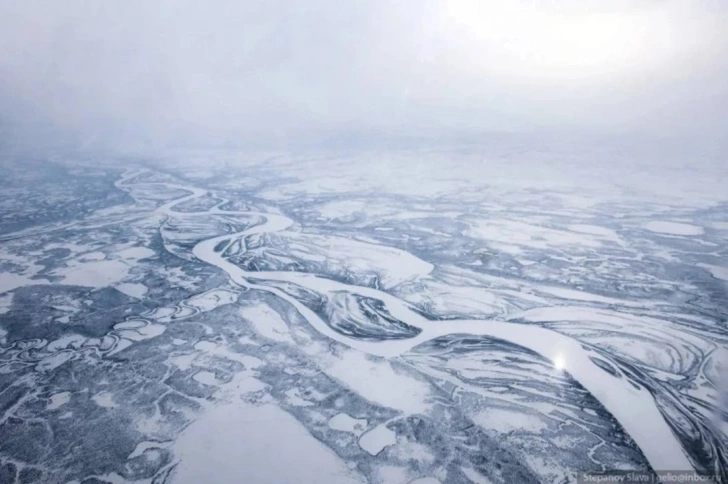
(559, 362)
(549, 43)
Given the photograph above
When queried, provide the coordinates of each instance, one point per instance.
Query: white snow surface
(673, 228)
(239, 442)
(375, 440)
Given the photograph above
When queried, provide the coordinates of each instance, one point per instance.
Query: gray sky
(160, 73)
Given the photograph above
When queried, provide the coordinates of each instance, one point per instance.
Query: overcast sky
(110, 73)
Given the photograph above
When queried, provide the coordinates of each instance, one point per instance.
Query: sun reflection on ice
(559, 362)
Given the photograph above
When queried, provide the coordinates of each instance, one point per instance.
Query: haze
(117, 75)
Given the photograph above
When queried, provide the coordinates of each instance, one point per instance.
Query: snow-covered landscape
(255, 322)
(377, 242)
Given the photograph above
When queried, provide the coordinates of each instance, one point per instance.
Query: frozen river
(210, 326)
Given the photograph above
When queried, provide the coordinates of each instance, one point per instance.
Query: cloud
(166, 73)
